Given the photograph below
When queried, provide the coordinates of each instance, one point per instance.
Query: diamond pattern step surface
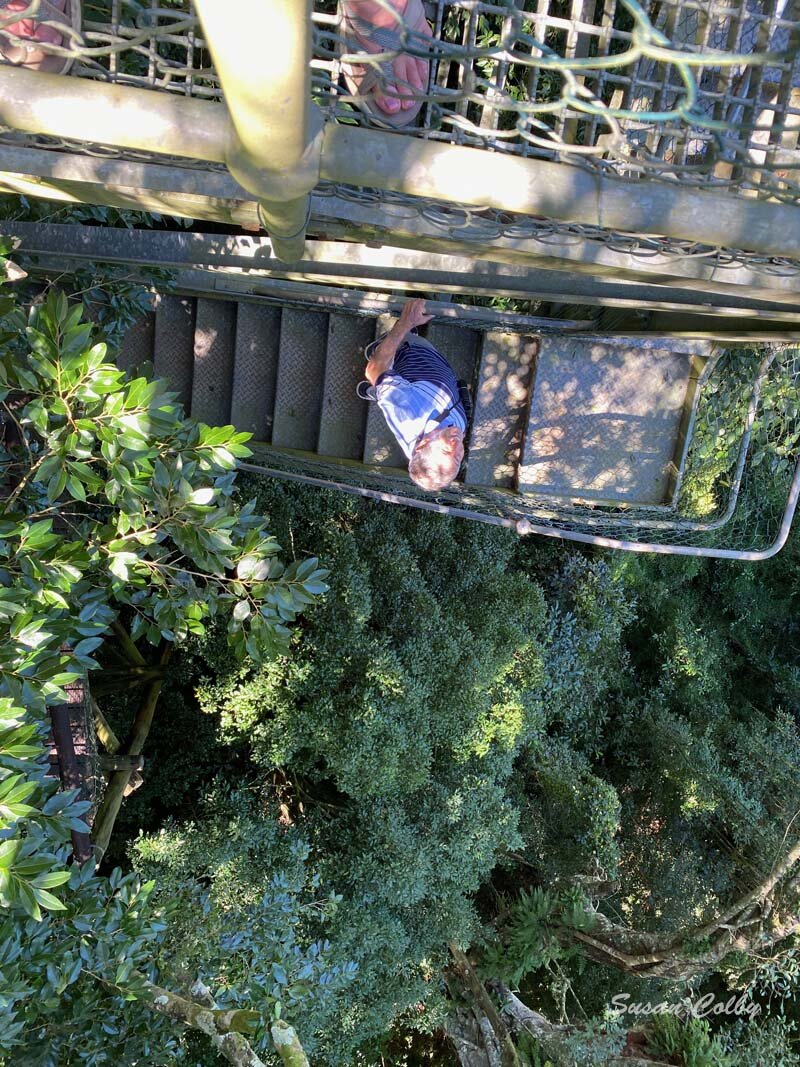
(501, 406)
(344, 415)
(459, 346)
(301, 367)
(255, 369)
(606, 420)
(214, 346)
(380, 446)
(173, 346)
(137, 344)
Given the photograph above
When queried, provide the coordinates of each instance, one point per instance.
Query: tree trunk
(225, 1028)
(69, 772)
(469, 1040)
(487, 1010)
(112, 799)
(288, 1045)
(127, 645)
(199, 1016)
(556, 1042)
(747, 925)
(554, 1038)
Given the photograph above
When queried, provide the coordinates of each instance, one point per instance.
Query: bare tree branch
(509, 1057)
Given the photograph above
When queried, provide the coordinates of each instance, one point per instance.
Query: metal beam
(329, 298)
(240, 213)
(445, 172)
(214, 195)
(382, 268)
(337, 217)
(80, 109)
(162, 123)
(268, 455)
(243, 288)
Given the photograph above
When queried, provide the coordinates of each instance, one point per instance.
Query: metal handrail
(524, 526)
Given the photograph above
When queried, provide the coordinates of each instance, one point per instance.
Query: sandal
(362, 79)
(40, 30)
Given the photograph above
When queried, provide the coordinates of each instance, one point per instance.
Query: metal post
(262, 54)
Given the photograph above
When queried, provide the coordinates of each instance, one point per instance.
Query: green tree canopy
(118, 524)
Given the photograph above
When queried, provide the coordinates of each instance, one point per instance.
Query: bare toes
(388, 103)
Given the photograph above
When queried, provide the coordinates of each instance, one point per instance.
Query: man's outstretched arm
(413, 314)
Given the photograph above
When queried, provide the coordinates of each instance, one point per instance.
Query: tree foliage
(546, 764)
(398, 720)
(117, 511)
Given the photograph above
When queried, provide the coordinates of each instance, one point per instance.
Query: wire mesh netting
(461, 222)
(705, 92)
(742, 463)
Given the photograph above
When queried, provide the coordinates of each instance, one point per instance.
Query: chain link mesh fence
(705, 93)
(742, 462)
(461, 222)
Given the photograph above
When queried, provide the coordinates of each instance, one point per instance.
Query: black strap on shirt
(464, 400)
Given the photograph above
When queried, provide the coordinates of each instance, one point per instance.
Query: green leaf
(247, 567)
(56, 485)
(28, 901)
(306, 568)
(76, 489)
(15, 788)
(52, 879)
(315, 587)
(47, 900)
(8, 853)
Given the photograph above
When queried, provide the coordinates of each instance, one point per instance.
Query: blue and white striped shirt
(420, 386)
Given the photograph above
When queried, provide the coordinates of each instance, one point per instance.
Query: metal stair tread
(301, 365)
(605, 419)
(138, 343)
(255, 369)
(173, 344)
(343, 414)
(501, 404)
(459, 345)
(214, 341)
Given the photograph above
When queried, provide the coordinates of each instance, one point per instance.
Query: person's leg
(34, 31)
(410, 72)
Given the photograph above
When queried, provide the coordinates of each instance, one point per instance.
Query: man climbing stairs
(555, 415)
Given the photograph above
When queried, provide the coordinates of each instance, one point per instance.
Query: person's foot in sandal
(391, 93)
(37, 32)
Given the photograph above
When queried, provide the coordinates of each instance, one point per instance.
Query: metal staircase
(564, 416)
(636, 171)
(288, 375)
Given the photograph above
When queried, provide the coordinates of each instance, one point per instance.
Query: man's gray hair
(427, 476)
